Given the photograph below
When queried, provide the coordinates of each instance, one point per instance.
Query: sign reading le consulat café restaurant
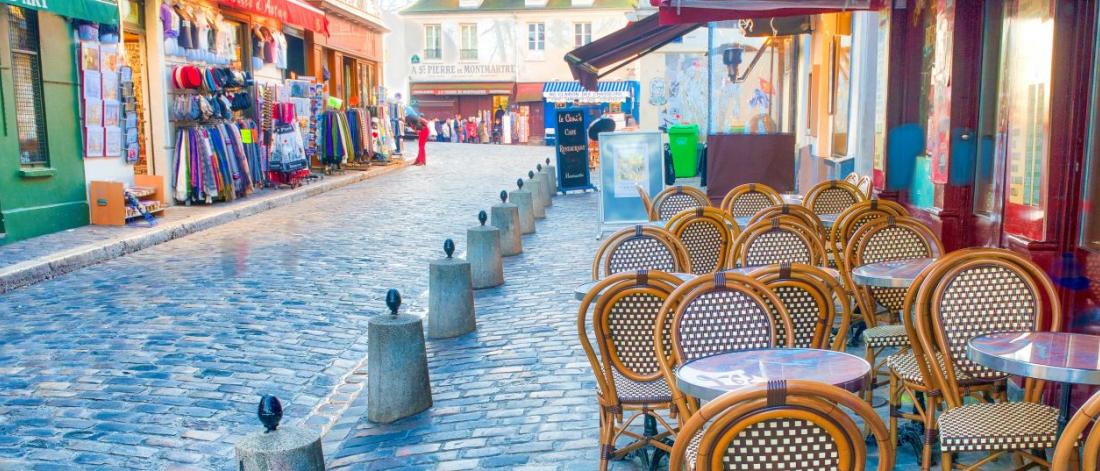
(462, 72)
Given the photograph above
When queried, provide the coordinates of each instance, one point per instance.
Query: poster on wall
(938, 139)
(93, 141)
(572, 151)
(629, 161)
(93, 113)
(89, 55)
(112, 142)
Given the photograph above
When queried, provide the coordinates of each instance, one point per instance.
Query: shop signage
(462, 72)
(99, 11)
(572, 151)
(291, 12)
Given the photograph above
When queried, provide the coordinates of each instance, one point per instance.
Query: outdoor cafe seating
(727, 339)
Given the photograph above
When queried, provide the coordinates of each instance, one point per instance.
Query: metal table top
(1054, 356)
(709, 377)
(895, 274)
(792, 198)
(828, 220)
(581, 291)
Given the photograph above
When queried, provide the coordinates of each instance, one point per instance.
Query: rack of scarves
(336, 145)
(217, 161)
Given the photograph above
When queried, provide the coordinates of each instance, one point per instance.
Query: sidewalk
(40, 258)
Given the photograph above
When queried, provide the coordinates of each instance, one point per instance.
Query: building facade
(472, 58)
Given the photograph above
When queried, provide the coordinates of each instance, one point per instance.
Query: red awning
(604, 55)
(528, 92)
(462, 88)
(702, 11)
(291, 12)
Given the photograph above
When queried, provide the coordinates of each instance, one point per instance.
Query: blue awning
(569, 92)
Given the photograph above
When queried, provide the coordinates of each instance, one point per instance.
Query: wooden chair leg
(945, 461)
(870, 390)
(931, 429)
(895, 400)
(607, 431)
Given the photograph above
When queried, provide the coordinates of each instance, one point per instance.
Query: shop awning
(99, 11)
(291, 12)
(617, 49)
(702, 11)
(464, 88)
(569, 92)
(528, 92)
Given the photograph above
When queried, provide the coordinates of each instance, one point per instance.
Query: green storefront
(42, 186)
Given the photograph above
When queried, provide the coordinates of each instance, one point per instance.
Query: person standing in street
(422, 134)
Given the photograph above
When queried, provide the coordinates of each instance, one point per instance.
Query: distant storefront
(617, 99)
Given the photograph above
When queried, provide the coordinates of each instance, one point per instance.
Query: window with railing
(433, 42)
(468, 47)
(26, 66)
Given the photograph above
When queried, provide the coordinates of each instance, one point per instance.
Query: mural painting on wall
(681, 95)
(939, 105)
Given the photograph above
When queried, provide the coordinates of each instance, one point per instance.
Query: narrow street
(156, 360)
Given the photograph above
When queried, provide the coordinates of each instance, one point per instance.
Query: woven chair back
(777, 240)
(674, 199)
(884, 240)
(640, 248)
(853, 218)
(864, 185)
(749, 199)
(646, 202)
(832, 197)
(811, 297)
(789, 425)
(706, 234)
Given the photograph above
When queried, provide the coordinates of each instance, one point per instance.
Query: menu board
(629, 161)
(572, 151)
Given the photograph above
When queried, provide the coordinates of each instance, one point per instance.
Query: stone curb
(43, 268)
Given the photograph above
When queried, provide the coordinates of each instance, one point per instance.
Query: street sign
(572, 151)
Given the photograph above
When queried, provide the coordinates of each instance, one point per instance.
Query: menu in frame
(572, 151)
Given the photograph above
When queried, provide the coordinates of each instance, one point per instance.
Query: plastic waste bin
(683, 140)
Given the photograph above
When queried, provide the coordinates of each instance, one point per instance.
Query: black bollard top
(270, 412)
(530, 174)
(503, 196)
(519, 183)
(393, 301)
(539, 167)
(449, 247)
(482, 217)
(548, 161)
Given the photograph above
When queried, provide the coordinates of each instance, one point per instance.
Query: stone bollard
(506, 218)
(547, 192)
(483, 253)
(553, 172)
(450, 296)
(279, 448)
(538, 195)
(397, 365)
(522, 200)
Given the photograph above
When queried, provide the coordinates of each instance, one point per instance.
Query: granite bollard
(522, 200)
(450, 296)
(547, 191)
(538, 195)
(397, 365)
(553, 172)
(279, 448)
(506, 218)
(483, 253)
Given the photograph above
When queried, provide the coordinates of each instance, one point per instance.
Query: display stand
(572, 151)
(628, 160)
(108, 200)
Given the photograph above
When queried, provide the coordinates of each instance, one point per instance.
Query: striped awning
(569, 92)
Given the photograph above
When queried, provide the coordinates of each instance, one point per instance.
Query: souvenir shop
(242, 115)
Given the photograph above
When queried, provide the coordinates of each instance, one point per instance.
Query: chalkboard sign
(572, 151)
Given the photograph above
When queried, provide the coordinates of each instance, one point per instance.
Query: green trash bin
(683, 140)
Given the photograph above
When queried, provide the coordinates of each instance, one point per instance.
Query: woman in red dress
(422, 139)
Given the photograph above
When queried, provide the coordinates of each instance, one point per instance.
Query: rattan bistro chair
(714, 314)
(832, 197)
(971, 293)
(852, 178)
(811, 297)
(674, 199)
(882, 240)
(781, 425)
(749, 199)
(853, 218)
(1066, 453)
(646, 202)
(640, 248)
(807, 217)
(706, 234)
(865, 185)
(628, 376)
(774, 241)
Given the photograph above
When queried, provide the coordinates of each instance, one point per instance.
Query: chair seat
(890, 335)
(998, 426)
(636, 392)
(904, 365)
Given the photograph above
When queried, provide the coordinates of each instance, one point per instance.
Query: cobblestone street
(157, 359)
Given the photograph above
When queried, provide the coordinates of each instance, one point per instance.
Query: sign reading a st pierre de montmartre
(451, 72)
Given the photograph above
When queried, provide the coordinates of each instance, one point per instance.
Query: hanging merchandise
(336, 140)
(288, 155)
(214, 162)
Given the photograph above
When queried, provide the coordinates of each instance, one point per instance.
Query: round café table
(709, 377)
(828, 220)
(1061, 357)
(895, 274)
(792, 198)
(581, 291)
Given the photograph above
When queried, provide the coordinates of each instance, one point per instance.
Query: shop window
(468, 50)
(30, 111)
(236, 39)
(536, 36)
(842, 82)
(882, 75)
(582, 34)
(433, 42)
(1090, 204)
(295, 56)
(1023, 114)
(752, 84)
